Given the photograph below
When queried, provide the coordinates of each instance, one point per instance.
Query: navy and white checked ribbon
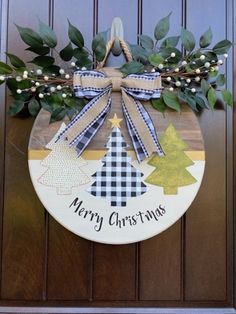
(97, 86)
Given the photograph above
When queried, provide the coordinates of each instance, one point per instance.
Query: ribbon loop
(98, 87)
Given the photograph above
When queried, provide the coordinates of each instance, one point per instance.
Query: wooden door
(188, 265)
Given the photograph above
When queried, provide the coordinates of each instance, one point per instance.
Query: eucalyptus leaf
(205, 86)
(188, 98)
(171, 100)
(58, 114)
(43, 61)
(67, 53)
(162, 27)
(99, 47)
(138, 52)
(202, 101)
(46, 104)
(42, 51)
(166, 53)
(146, 42)
(47, 34)
(222, 47)
(79, 53)
(34, 107)
(206, 38)
(227, 97)
(211, 96)
(15, 107)
(15, 61)
(75, 36)
(156, 59)
(30, 37)
(170, 42)
(84, 62)
(188, 40)
(159, 104)
(5, 68)
(82, 58)
(132, 67)
(220, 81)
(52, 69)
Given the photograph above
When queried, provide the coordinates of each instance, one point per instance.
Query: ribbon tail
(141, 128)
(80, 131)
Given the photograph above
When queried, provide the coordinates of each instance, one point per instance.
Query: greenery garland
(189, 76)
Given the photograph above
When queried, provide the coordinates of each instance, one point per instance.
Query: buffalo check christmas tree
(118, 179)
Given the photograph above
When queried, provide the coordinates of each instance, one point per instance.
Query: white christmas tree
(63, 165)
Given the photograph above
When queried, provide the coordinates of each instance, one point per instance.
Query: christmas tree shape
(63, 165)
(170, 172)
(118, 179)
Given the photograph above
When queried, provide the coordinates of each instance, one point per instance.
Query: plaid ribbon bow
(98, 87)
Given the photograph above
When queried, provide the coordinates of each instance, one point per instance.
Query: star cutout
(115, 121)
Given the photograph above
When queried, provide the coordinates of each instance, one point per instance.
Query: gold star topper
(115, 121)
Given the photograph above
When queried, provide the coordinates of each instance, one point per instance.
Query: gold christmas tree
(171, 172)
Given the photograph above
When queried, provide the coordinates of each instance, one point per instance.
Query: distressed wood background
(43, 264)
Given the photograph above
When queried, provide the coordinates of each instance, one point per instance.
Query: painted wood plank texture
(205, 274)
(69, 256)
(23, 231)
(157, 282)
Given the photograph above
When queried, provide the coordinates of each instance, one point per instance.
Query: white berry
(193, 90)
(176, 69)
(39, 72)
(226, 55)
(18, 79)
(67, 76)
(168, 78)
(25, 76)
(25, 73)
(160, 66)
(172, 54)
(37, 83)
(188, 80)
(207, 64)
(83, 68)
(216, 68)
(171, 89)
(72, 64)
(62, 71)
(197, 79)
(178, 83)
(202, 57)
(46, 78)
(220, 62)
(33, 89)
(19, 91)
(2, 78)
(52, 89)
(63, 95)
(59, 87)
(41, 95)
(198, 71)
(184, 63)
(153, 70)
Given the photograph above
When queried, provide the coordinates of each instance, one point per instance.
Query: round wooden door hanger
(106, 195)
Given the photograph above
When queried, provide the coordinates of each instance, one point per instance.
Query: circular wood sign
(106, 195)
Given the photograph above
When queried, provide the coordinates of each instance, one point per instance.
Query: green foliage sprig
(189, 74)
(46, 80)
